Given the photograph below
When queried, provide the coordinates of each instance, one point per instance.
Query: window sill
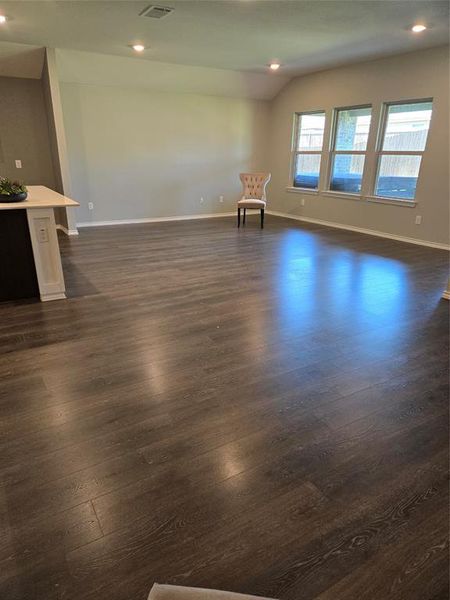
(392, 201)
(345, 195)
(350, 196)
(299, 190)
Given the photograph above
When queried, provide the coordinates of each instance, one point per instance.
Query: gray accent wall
(417, 75)
(137, 154)
(24, 132)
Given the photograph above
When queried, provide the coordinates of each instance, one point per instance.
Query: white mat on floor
(173, 592)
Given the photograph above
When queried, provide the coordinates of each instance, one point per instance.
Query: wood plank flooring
(259, 411)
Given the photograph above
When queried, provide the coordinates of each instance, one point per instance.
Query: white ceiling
(305, 35)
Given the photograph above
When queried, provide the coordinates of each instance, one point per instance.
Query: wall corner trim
(361, 230)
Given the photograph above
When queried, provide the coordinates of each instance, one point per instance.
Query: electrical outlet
(43, 234)
(418, 220)
(220, 198)
(91, 205)
(302, 202)
(18, 164)
(202, 200)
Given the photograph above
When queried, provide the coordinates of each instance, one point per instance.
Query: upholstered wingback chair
(253, 194)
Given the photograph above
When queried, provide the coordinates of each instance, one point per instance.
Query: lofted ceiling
(19, 60)
(243, 35)
(93, 68)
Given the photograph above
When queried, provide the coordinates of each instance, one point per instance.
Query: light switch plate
(18, 164)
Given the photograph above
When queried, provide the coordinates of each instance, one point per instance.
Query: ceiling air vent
(156, 12)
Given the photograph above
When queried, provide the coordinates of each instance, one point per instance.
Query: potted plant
(12, 191)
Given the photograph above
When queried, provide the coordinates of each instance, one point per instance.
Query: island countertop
(40, 196)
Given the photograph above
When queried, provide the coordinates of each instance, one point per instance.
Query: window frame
(295, 152)
(332, 152)
(379, 152)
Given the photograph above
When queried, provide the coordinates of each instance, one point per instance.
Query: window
(308, 149)
(348, 152)
(403, 141)
(393, 165)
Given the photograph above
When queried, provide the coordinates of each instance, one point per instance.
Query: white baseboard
(67, 231)
(155, 219)
(382, 234)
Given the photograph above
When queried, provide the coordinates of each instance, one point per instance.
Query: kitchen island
(30, 261)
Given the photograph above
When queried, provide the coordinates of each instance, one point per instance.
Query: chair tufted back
(254, 184)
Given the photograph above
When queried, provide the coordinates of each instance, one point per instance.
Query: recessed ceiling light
(138, 47)
(418, 28)
(2, 19)
(274, 66)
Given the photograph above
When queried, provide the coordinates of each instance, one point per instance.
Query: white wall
(421, 74)
(138, 153)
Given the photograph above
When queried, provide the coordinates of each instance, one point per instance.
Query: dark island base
(17, 270)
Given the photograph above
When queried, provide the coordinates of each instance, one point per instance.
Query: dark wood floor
(258, 411)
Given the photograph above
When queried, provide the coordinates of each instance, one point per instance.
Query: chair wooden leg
(245, 213)
(239, 217)
(262, 218)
